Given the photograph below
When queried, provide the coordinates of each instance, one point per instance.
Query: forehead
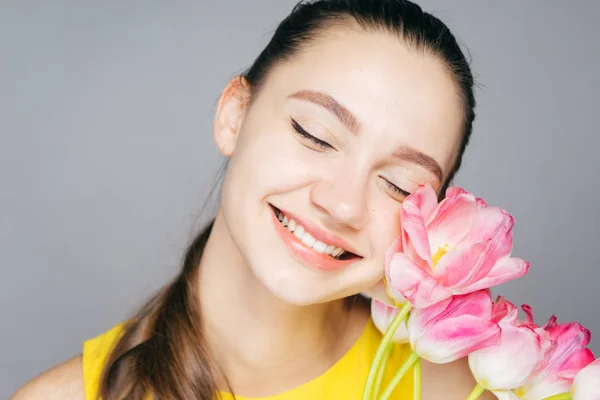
(400, 95)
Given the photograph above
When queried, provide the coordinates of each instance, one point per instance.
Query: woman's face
(334, 140)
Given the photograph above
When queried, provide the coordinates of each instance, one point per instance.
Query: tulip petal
(576, 362)
(569, 355)
(587, 383)
(414, 232)
(542, 388)
(415, 284)
(504, 270)
(451, 221)
(504, 309)
(458, 266)
(481, 204)
(454, 191)
(453, 328)
(528, 313)
(492, 254)
(382, 316)
(505, 395)
(420, 318)
(551, 324)
(390, 291)
(454, 338)
(490, 222)
(510, 362)
(425, 199)
(477, 304)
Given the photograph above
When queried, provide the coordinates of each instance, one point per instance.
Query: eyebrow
(332, 105)
(351, 122)
(422, 159)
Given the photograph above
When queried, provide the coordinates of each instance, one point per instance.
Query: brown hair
(162, 351)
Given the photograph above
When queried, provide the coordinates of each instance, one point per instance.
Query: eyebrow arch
(331, 104)
(422, 159)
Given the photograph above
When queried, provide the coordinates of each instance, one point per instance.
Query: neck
(253, 333)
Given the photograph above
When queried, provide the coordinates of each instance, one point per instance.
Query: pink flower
(382, 316)
(520, 352)
(455, 247)
(562, 363)
(587, 383)
(453, 328)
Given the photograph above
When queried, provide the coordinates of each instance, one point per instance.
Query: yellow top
(344, 380)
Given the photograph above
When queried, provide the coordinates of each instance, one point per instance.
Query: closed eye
(307, 136)
(396, 189)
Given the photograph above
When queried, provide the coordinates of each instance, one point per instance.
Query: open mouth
(336, 253)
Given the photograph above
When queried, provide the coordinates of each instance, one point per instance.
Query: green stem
(476, 392)
(562, 396)
(381, 370)
(417, 380)
(412, 358)
(387, 338)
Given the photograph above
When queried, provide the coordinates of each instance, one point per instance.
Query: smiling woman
(351, 107)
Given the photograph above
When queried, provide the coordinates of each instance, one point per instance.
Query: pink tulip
(562, 363)
(455, 247)
(453, 328)
(587, 383)
(382, 316)
(520, 352)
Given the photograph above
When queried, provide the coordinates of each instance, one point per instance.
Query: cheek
(269, 160)
(385, 228)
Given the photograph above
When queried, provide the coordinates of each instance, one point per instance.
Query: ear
(230, 114)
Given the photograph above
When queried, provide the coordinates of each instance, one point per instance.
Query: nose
(343, 199)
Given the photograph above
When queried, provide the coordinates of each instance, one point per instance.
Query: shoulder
(64, 382)
(452, 381)
(77, 378)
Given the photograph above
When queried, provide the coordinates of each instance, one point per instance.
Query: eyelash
(316, 141)
(324, 145)
(396, 188)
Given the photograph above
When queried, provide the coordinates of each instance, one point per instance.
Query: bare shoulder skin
(62, 382)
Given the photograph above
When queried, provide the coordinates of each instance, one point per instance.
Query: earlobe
(230, 114)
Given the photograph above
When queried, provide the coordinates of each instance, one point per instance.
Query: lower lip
(307, 255)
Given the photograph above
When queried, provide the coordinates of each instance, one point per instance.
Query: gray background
(106, 151)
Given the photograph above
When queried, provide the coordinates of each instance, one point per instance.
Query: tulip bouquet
(437, 298)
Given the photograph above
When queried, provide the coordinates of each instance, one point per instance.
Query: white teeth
(299, 232)
(307, 239)
(292, 226)
(320, 246)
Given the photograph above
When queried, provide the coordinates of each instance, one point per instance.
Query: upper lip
(320, 234)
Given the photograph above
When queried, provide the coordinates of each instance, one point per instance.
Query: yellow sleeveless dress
(343, 381)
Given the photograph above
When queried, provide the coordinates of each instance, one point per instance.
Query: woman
(350, 107)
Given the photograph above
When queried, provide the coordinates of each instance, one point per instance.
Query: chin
(293, 289)
(299, 285)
